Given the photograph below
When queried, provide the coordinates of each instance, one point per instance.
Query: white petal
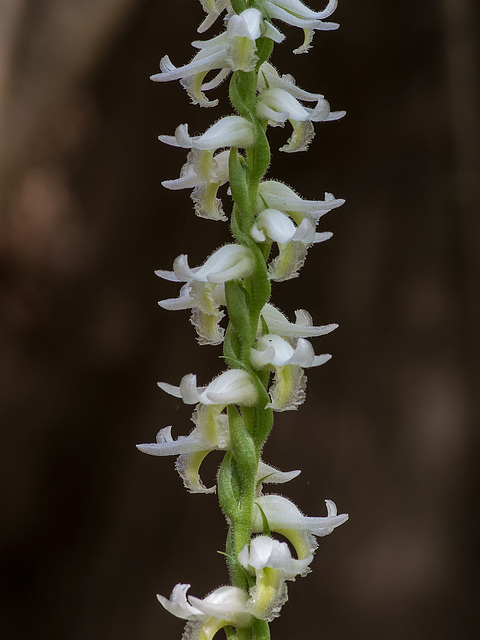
(245, 24)
(188, 390)
(268, 78)
(178, 605)
(296, 6)
(303, 328)
(269, 474)
(234, 386)
(276, 225)
(282, 514)
(271, 349)
(226, 603)
(279, 196)
(283, 102)
(166, 446)
(266, 552)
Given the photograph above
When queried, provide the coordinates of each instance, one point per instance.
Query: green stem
(237, 482)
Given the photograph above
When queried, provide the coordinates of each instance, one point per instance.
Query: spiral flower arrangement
(272, 228)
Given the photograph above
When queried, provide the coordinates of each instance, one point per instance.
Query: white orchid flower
(227, 263)
(203, 172)
(231, 131)
(273, 350)
(293, 241)
(277, 105)
(204, 299)
(303, 326)
(234, 386)
(268, 78)
(271, 562)
(285, 518)
(224, 606)
(276, 226)
(232, 50)
(295, 13)
(210, 434)
(277, 195)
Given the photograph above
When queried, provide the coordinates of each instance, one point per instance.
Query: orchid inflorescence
(265, 352)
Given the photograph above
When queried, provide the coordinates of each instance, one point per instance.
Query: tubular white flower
(210, 434)
(268, 78)
(224, 606)
(303, 327)
(279, 196)
(231, 131)
(292, 241)
(278, 227)
(285, 517)
(234, 386)
(204, 299)
(277, 105)
(271, 562)
(232, 50)
(203, 172)
(273, 350)
(227, 263)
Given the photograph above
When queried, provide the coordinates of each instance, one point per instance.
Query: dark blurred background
(91, 528)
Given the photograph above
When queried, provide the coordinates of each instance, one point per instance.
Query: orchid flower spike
(227, 295)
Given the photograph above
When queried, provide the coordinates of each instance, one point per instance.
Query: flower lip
(245, 24)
